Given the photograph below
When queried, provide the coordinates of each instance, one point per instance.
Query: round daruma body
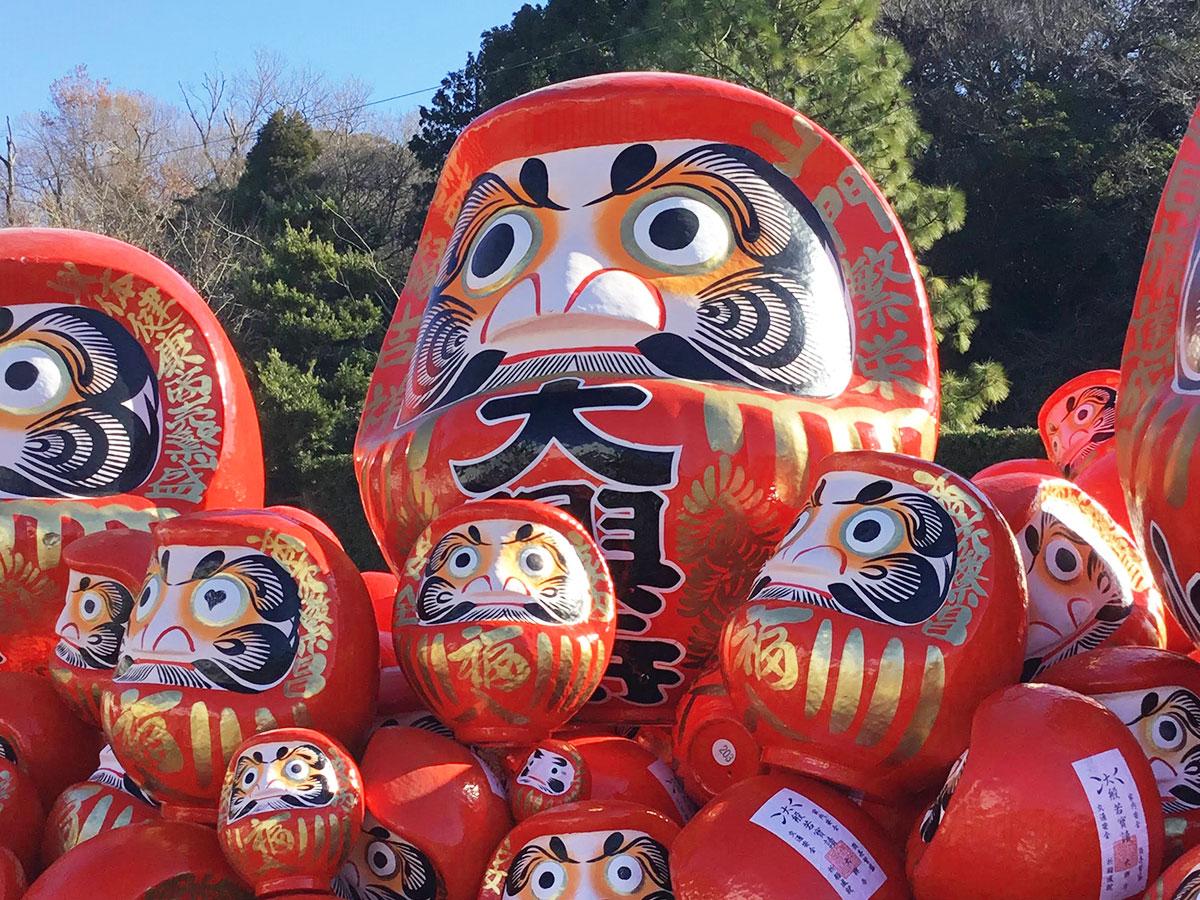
(505, 620)
(1156, 694)
(291, 809)
(1078, 422)
(651, 299)
(105, 573)
(121, 402)
(1078, 818)
(247, 621)
(1158, 406)
(1084, 574)
(893, 606)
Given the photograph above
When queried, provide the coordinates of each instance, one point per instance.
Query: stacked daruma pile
(679, 607)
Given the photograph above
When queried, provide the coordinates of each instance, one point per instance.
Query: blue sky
(395, 47)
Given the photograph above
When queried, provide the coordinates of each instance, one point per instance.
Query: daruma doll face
(1078, 422)
(647, 299)
(246, 621)
(506, 620)
(894, 604)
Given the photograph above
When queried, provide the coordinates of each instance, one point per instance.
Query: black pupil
(674, 228)
(1065, 559)
(89, 606)
(380, 859)
(533, 561)
(546, 880)
(462, 560)
(867, 530)
(493, 250)
(145, 597)
(21, 375)
(624, 873)
(1167, 730)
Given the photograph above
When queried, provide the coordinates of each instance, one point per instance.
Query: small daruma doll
(291, 808)
(893, 606)
(582, 851)
(1084, 575)
(106, 571)
(505, 620)
(1078, 422)
(1156, 694)
(248, 620)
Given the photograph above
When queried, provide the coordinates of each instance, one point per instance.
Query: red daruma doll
(505, 620)
(291, 809)
(248, 621)
(892, 607)
(106, 573)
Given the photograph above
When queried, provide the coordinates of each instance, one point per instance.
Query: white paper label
(1120, 823)
(829, 846)
(724, 752)
(666, 777)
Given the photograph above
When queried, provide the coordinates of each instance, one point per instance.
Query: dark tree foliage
(1059, 120)
(820, 56)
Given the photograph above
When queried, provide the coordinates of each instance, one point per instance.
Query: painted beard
(254, 657)
(104, 442)
(440, 602)
(391, 856)
(101, 650)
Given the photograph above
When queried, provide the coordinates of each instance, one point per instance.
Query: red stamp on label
(843, 858)
(1125, 853)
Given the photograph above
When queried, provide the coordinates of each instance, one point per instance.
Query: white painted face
(223, 618)
(1079, 590)
(506, 570)
(869, 546)
(92, 622)
(685, 258)
(1166, 722)
(110, 772)
(384, 866)
(591, 865)
(281, 775)
(548, 772)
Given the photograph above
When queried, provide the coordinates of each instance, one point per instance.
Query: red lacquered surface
(712, 747)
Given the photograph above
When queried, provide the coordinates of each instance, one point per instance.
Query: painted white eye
(297, 770)
(680, 230)
(219, 600)
(1062, 560)
(463, 562)
(501, 251)
(91, 605)
(32, 378)
(872, 532)
(535, 561)
(381, 859)
(1083, 414)
(1167, 733)
(624, 874)
(249, 777)
(549, 880)
(148, 598)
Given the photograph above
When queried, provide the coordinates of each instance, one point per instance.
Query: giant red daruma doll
(651, 299)
(121, 403)
(1158, 405)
